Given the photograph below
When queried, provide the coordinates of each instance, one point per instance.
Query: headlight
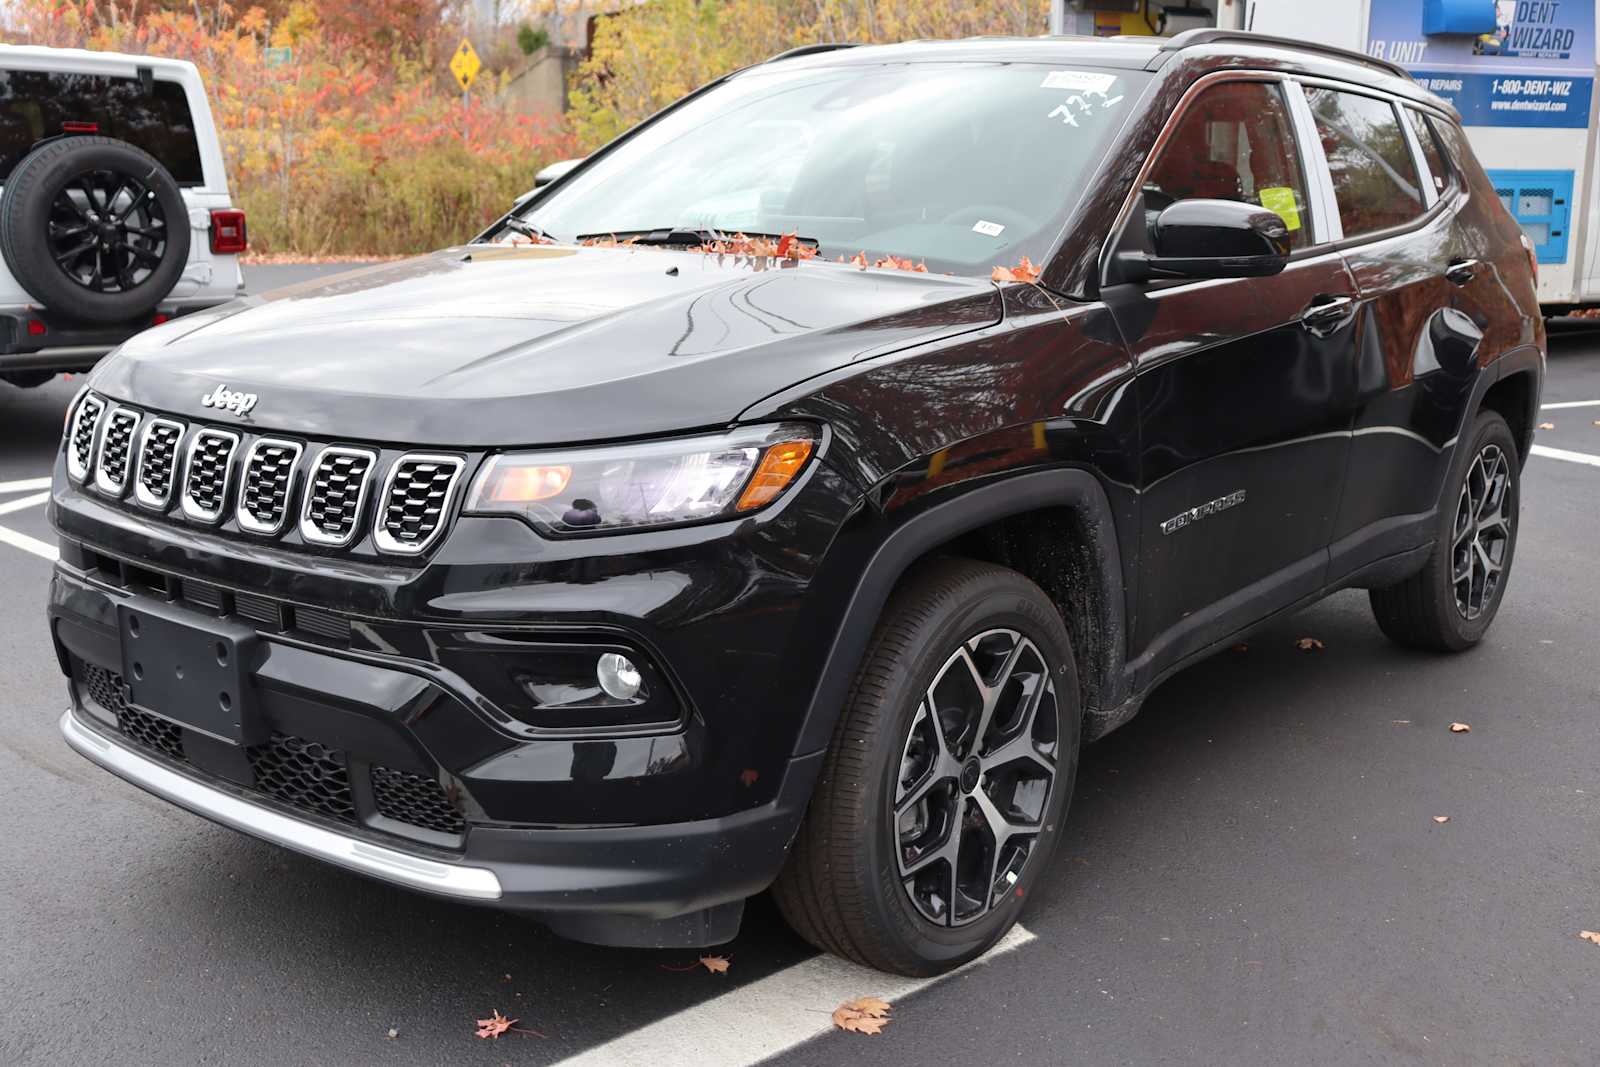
(654, 483)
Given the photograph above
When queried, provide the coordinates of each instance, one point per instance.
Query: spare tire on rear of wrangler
(94, 228)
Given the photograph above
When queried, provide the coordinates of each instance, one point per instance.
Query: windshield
(962, 166)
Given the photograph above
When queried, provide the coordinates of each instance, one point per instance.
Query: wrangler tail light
(228, 236)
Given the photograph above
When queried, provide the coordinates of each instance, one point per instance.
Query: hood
(489, 346)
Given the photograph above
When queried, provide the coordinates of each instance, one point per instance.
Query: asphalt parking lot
(1253, 873)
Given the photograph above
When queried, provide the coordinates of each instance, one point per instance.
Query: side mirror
(1211, 239)
(553, 172)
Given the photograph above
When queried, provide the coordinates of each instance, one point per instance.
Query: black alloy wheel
(107, 231)
(976, 774)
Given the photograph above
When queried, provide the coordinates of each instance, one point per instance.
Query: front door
(1245, 388)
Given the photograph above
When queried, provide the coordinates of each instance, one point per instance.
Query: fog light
(618, 676)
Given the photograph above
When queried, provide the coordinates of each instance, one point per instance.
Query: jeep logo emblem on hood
(228, 400)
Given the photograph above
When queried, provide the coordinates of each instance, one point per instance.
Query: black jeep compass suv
(747, 510)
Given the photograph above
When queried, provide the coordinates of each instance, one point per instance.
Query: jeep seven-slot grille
(334, 495)
(158, 458)
(205, 487)
(264, 493)
(111, 474)
(84, 425)
(416, 501)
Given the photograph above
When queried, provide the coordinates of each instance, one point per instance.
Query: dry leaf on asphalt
(495, 1025)
(864, 1015)
(1309, 644)
(1547, 426)
(1441, 818)
(1590, 935)
(1460, 728)
(715, 964)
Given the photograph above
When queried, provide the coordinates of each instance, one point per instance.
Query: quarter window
(1235, 142)
(1374, 174)
(1432, 154)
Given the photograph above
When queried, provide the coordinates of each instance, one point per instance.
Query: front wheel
(944, 789)
(1448, 605)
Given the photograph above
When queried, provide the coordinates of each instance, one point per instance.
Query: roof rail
(1193, 38)
(811, 50)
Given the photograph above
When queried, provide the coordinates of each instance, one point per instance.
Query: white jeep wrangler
(114, 206)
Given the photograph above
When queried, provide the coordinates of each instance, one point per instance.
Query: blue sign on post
(1500, 62)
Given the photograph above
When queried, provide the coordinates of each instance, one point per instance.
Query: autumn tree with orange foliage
(647, 56)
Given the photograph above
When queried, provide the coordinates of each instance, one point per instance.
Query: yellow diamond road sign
(465, 64)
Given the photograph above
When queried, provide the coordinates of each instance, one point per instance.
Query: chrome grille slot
(116, 440)
(266, 484)
(158, 461)
(85, 427)
(335, 493)
(210, 465)
(416, 502)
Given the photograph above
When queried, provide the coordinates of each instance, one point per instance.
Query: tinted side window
(1432, 154)
(1374, 174)
(1235, 142)
(35, 104)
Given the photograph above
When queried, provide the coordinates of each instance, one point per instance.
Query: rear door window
(1432, 153)
(36, 104)
(1374, 174)
(1235, 142)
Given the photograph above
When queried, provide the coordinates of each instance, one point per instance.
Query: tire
(68, 195)
(842, 886)
(1431, 610)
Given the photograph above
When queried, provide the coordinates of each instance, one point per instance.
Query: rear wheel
(1448, 605)
(944, 789)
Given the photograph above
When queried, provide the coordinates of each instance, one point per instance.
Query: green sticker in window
(1279, 199)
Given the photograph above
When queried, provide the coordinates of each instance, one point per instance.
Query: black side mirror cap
(1211, 239)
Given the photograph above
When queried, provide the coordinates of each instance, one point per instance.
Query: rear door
(1244, 385)
(1397, 204)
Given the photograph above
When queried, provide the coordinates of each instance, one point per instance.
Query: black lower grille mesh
(105, 688)
(411, 798)
(305, 774)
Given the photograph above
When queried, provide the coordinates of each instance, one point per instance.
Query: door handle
(1461, 271)
(1326, 313)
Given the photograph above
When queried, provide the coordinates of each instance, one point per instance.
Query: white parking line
(753, 1022)
(26, 485)
(23, 502)
(8, 536)
(1571, 404)
(1570, 457)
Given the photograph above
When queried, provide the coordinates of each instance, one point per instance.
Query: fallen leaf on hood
(1590, 935)
(1441, 819)
(858, 261)
(895, 263)
(1309, 644)
(715, 964)
(1547, 426)
(1240, 647)
(495, 1025)
(791, 247)
(1024, 271)
(864, 1015)
(1460, 728)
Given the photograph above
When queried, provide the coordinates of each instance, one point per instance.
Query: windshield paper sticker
(988, 229)
(1279, 200)
(1081, 81)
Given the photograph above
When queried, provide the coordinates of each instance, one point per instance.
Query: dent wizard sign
(1523, 63)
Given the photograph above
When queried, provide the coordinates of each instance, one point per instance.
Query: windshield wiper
(526, 229)
(683, 238)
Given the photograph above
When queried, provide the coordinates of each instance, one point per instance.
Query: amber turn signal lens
(778, 468)
(521, 485)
